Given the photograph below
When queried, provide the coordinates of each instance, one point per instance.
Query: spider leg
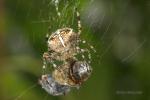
(83, 52)
(89, 45)
(56, 3)
(47, 58)
(46, 37)
(51, 58)
(88, 54)
(79, 22)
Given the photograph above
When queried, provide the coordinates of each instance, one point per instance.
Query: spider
(63, 46)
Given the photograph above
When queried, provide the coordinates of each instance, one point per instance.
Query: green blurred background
(118, 29)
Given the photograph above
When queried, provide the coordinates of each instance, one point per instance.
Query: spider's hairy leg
(45, 61)
(47, 34)
(50, 58)
(83, 52)
(47, 58)
(89, 45)
(46, 37)
(56, 6)
(88, 54)
(79, 22)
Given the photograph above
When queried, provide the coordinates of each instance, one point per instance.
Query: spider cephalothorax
(62, 44)
(62, 40)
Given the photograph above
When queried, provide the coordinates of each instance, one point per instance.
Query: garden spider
(63, 46)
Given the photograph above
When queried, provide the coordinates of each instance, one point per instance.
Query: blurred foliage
(118, 29)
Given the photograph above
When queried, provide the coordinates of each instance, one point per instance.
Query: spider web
(102, 28)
